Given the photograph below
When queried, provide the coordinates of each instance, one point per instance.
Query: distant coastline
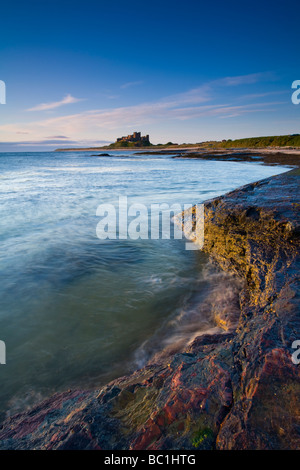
(291, 142)
(268, 156)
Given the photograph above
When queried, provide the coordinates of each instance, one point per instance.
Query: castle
(135, 137)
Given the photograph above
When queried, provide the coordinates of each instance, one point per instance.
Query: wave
(213, 309)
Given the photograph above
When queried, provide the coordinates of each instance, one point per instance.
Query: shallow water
(78, 311)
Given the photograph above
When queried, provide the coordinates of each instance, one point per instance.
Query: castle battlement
(135, 137)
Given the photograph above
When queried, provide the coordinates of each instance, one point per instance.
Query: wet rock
(101, 155)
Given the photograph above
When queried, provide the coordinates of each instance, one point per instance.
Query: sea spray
(212, 309)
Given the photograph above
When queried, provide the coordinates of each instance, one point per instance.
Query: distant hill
(292, 140)
(118, 145)
(261, 142)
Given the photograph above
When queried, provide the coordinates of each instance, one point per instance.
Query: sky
(84, 73)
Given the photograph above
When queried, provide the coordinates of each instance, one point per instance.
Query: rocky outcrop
(236, 390)
(101, 155)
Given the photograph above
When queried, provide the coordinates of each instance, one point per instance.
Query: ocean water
(76, 311)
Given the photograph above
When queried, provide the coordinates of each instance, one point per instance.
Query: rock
(237, 390)
(101, 155)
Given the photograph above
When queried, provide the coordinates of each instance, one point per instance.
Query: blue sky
(84, 73)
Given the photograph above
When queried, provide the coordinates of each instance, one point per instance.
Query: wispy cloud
(263, 95)
(249, 79)
(39, 142)
(57, 137)
(130, 84)
(68, 99)
(206, 101)
(51, 143)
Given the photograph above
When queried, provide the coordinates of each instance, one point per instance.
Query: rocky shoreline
(236, 390)
(267, 156)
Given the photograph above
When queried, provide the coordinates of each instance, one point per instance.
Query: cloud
(206, 101)
(49, 144)
(57, 137)
(68, 99)
(39, 142)
(106, 122)
(249, 79)
(130, 84)
(263, 95)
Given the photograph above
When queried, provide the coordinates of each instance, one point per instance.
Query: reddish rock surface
(237, 390)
